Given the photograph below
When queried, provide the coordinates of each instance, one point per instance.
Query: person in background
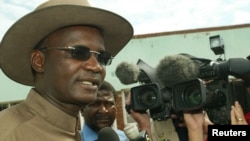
(100, 113)
(61, 50)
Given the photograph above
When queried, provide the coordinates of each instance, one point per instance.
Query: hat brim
(27, 32)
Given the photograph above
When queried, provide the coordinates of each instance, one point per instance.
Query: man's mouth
(88, 83)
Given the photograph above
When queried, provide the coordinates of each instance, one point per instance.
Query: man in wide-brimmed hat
(61, 49)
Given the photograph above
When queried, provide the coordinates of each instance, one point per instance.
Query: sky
(150, 16)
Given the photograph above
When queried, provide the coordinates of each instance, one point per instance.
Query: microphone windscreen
(174, 69)
(127, 73)
(107, 134)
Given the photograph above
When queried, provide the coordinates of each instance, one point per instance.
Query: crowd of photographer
(190, 92)
(196, 124)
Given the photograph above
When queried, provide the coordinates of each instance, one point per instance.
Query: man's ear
(37, 60)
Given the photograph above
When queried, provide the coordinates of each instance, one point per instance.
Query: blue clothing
(90, 135)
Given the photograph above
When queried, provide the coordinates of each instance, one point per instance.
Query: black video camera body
(214, 90)
(150, 96)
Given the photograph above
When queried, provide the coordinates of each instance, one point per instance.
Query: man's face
(66, 80)
(102, 112)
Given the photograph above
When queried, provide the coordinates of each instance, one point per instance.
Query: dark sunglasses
(83, 53)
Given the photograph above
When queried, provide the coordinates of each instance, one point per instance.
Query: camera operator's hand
(237, 114)
(179, 119)
(207, 122)
(182, 123)
(195, 123)
(143, 121)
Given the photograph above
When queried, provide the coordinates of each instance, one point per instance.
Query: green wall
(152, 48)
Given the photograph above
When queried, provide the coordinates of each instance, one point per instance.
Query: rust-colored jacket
(36, 119)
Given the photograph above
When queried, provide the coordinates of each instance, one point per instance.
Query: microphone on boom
(127, 73)
(174, 69)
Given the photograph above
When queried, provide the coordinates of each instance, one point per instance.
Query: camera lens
(192, 96)
(148, 97)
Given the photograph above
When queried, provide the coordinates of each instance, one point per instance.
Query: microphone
(107, 134)
(174, 69)
(127, 73)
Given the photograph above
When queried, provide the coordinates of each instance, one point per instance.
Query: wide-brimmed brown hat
(27, 32)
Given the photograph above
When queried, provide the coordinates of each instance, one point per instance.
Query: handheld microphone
(174, 69)
(107, 134)
(127, 73)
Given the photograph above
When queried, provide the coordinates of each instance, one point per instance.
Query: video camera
(213, 90)
(150, 95)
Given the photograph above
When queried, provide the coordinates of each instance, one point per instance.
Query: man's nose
(103, 108)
